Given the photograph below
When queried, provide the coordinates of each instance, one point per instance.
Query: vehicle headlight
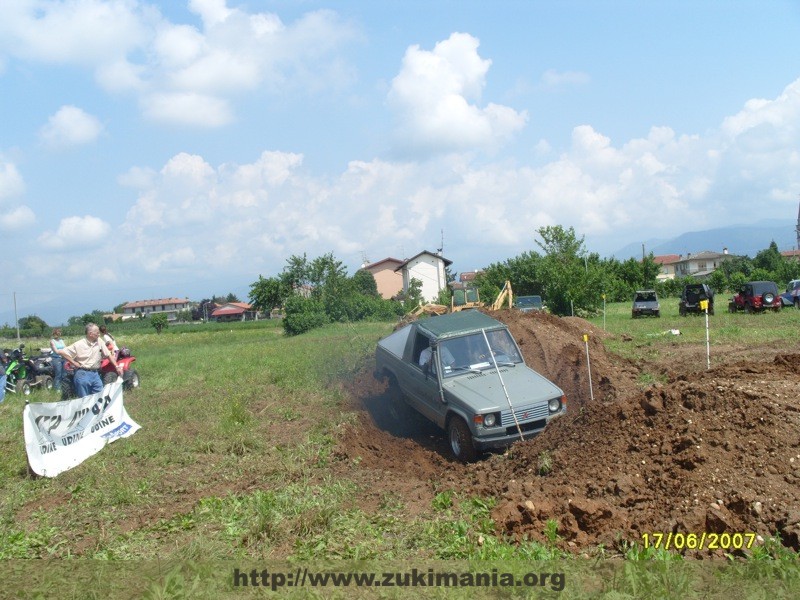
(554, 405)
(489, 420)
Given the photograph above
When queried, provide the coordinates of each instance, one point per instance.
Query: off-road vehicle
(465, 373)
(756, 296)
(691, 297)
(529, 303)
(645, 302)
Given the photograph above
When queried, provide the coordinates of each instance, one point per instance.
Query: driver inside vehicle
(427, 354)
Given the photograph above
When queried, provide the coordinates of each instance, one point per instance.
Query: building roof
(157, 302)
(442, 258)
(666, 259)
(232, 308)
(389, 259)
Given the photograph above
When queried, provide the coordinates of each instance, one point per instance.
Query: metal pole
(589, 365)
(503, 383)
(708, 341)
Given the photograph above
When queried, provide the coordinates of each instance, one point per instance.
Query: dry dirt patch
(709, 451)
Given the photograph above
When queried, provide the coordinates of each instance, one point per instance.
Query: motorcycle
(23, 373)
(130, 377)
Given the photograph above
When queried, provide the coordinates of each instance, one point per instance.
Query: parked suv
(691, 297)
(645, 302)
(791, 297)
(529, 303)
(756, 296)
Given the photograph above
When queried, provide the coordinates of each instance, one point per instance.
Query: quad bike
(130, 377)
(23, 374)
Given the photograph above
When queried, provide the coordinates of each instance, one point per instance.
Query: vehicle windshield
(529, 301)
(469, 352)
(645, 297)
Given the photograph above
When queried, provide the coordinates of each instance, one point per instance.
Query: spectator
(57, 344)
(109, 340)
(86, 355)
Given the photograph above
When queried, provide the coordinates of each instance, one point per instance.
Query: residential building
(667, 263)
(702, 264)
(429, 269)
(387, 278)
(168, 306)
(235, 311)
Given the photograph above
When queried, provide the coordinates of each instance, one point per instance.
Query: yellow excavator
(505, 294)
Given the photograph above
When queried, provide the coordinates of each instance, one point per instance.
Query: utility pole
(16, 319)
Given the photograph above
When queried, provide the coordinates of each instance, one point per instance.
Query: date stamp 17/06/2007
(698, 541)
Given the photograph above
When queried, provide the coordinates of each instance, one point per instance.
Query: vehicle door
(423, 385)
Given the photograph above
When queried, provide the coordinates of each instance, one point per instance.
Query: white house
(429, 269)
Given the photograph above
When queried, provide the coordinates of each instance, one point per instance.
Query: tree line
(311, 293)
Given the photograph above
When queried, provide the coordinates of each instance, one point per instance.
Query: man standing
(86, 355)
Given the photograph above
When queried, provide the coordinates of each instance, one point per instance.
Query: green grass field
(238, 427)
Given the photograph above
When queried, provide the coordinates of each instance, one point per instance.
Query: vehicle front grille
(524, 415)
(526, 427)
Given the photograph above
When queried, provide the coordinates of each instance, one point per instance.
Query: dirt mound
(710, 451)
(555, 347)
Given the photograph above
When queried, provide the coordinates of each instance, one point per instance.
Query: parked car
(791, 297)
(756, 296)
(692, 295)
(529, 303)
(465, 373)
(645, 302)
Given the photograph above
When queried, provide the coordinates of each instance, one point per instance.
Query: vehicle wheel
(682, 311)
(748, 309)
(47, 382)
(130, 380)
(67, 392)
(396, 406)
(711, 311)
(731, 307)
(24, 388)
(109, 378)
(658, 314)
(460, 439)
(797, 303)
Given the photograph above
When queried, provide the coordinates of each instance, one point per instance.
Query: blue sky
(159, 149)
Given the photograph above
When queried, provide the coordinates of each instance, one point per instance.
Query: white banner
(61, 435)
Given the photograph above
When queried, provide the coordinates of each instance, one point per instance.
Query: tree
(231, 298)
(32, 322)
(159, 321)
(564, 271)
(266, 294)
(364, 283)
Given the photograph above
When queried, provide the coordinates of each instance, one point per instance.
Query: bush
(303, 314)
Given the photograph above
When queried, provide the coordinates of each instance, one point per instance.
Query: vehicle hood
(484, 391)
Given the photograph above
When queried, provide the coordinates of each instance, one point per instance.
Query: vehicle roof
(458, 323)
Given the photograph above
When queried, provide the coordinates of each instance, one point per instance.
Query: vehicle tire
(748, 309)
(109, 378)
(67, 391)
(682, 311)
(797, 303)
(130, 379)
(396, 406)
(24, 388)
(711, 311)
(47, 382)
(460, 438)
(658, 314)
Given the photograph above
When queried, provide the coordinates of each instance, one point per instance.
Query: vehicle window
(470, 352)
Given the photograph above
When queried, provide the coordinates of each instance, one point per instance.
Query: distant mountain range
(743, 240)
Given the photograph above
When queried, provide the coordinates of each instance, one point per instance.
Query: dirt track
(709, 451)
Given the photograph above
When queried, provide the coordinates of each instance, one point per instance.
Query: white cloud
(435, 96)
(77, 233)
(70, 126)
(552, 79)
(11, 182)
(180, 73)
(187, 109)
(16, 218)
